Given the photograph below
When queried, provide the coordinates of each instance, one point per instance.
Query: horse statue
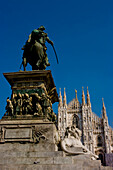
(35, 50)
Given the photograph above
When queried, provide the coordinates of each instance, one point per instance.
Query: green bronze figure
(35, 50)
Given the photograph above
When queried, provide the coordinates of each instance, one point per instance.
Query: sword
(21, 65)
(55, 54)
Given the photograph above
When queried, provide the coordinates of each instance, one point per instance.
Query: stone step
(50, 163)
(27, 147)
(27, 154)
(49, 160)
(31, 161)
(51, 167)
(87, 163)
(106, 168)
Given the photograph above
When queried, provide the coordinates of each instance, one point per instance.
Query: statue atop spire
(76, 98)
(83, 97)
(60, 97)
(88, 98)
(103, 110)
(64, 101)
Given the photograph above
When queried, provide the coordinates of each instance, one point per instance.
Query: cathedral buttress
(62, 114)
(87, 122)
(106, 129)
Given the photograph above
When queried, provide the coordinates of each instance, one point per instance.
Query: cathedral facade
(97, 135)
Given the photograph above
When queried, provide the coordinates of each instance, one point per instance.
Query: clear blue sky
(82, 32)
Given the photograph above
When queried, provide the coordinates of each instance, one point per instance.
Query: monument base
(28, 158)
(40, 133)
(32, 144)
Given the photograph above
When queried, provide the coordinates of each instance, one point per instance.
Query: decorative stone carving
(39, 134)
(26, 104)
(46, 104)
(19, 104)
(37, 109)
(35, 104)
(14, 99)
(33, 93)
(72, 141)
(9, 107)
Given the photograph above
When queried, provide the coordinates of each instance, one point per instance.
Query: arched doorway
(101, 157)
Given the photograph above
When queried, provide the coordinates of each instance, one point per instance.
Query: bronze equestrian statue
(35, 50)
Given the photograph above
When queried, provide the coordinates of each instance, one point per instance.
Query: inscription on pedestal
(18, 133)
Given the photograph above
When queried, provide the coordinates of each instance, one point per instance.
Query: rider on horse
(35, 49)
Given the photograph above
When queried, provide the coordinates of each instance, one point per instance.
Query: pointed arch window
(99, 141)
(76, 121)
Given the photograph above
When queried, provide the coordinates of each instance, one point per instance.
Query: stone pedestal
(33, 81)
(29, 115)
(38, 134)
(33, 93)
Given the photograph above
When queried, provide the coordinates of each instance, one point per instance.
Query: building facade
(97, 135)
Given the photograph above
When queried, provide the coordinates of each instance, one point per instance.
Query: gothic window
(76, 120)
(99, 141)
(106, 137)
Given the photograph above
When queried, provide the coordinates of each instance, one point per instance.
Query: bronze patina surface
(35, 50)
(33, 93)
